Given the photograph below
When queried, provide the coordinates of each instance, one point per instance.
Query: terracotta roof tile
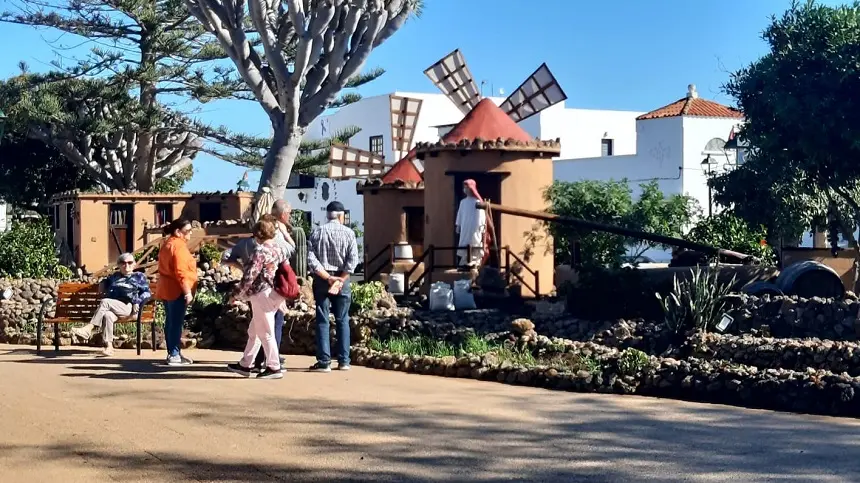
(488, 122)
(403, 170)
(695, 107)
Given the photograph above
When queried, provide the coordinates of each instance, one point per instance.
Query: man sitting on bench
(124, 291)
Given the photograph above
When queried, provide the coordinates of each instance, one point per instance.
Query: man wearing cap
(332, 257)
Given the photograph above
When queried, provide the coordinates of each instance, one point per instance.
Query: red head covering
(473, 189)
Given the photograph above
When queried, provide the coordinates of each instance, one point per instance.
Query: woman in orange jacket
(177, 280)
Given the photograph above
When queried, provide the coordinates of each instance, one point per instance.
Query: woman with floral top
(257, 287)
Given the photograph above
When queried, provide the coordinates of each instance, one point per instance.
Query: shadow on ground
(539, 436)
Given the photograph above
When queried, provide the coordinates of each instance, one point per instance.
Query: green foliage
(413, 346)
(727, 231)
(32, 172)
(796, 168)
(574, 362)
(298, 220)
(175, 183)
(611, 203)
(696, 302)
(152, 257)
(28, 250)
(205, 298)
(210, 253)
(632, 361)
(365, 295)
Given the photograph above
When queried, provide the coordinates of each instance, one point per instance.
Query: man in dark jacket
(124, 291)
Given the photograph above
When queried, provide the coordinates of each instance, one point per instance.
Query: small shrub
(575, 362)
(365, 296)
(632, 361)
(206, 298)
(476, 345)
(515, 355)
(210, 253)
(696, 303)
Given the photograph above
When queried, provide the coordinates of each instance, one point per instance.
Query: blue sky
(610, 54)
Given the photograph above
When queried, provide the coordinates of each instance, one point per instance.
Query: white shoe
(81, 333)
(107, 351)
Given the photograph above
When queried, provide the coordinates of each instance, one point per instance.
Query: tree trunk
(280, 160)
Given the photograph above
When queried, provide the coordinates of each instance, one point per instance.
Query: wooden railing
(368, 275)
(426, 274)
(509, 272)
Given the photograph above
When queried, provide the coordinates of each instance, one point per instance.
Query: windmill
(452, 76)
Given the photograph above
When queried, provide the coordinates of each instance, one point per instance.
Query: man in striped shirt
(332, 257)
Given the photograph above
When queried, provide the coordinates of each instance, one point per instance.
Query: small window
(376, 145)
(210, 211)
(606, 147)
(163, 213)
(346, 219)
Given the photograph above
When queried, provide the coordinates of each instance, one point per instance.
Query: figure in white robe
(471, 226)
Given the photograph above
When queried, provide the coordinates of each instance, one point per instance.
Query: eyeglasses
(127, 263)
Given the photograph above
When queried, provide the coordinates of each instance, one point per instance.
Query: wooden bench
(76, 304)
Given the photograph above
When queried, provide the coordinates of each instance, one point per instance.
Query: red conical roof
(403, 170)
(488, 122)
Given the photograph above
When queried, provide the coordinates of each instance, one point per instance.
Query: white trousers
(261, 329)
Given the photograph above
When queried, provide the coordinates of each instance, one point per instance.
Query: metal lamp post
(707, 168)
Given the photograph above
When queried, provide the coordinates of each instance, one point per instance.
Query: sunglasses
(126, 263)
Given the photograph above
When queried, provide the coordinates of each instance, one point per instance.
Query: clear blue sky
(609, 54)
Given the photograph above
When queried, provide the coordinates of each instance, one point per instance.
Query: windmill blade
(349, 162)
(538, 92)
(419, 165)
(451, 75)
(404, 120)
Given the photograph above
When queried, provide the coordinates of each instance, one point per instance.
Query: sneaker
(343, 366)
(186, 361)
(270, 374)
(239, 369)
(174, 361)
(81, 333)
(107, 351)
(320, 367)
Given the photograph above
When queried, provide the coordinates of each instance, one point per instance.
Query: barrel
(762, 288)
(809, 279)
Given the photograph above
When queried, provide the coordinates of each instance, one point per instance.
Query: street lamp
(707, 168)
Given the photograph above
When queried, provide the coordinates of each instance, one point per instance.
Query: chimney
(691, 92)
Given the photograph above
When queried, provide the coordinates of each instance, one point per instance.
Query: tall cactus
(299, 260)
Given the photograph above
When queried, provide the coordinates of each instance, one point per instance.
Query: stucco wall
(387, 221)
(522, 188)
(697, 132)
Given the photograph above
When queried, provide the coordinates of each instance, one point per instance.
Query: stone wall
(793, 317)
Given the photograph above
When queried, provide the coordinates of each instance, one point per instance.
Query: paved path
(79, 418)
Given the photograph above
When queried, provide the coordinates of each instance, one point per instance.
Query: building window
(163, 213)
(210, 211)
(346, 219)
(376, 145)
(606, 147)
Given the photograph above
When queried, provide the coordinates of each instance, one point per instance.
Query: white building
(667, 144)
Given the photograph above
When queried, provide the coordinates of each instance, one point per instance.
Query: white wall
(581, 130)
(314, 202)
(697, 132)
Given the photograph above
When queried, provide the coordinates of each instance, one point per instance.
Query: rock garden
(780, 352)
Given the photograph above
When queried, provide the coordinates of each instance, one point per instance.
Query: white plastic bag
(441, 297)
(396, 283)
(463, 297)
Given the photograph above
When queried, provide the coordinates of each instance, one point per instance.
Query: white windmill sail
(451, 75)
(349, 162)
(537, 93)
(404, 121)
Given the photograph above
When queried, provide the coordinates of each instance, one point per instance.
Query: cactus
(299, 260)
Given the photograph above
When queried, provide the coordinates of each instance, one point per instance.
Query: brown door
(415, 230)
(490, 188)
(120, 230)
